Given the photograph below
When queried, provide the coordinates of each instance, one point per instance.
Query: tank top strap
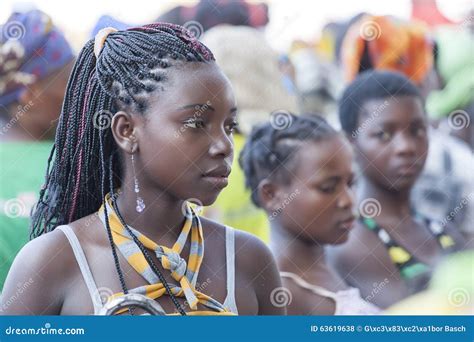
(84, 266)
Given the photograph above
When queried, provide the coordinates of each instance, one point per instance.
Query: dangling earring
(140, 204)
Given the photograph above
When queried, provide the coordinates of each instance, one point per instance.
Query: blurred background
(298, 54)
(288, 21)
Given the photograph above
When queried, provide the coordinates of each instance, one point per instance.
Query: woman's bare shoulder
(36, 279)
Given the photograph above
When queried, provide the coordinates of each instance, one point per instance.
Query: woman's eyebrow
(418, 121)
(205, 106)
(198, 106)
(323, 177)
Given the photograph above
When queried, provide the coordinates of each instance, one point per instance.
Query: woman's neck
(162, 218)
(392, 203)
(295, 254)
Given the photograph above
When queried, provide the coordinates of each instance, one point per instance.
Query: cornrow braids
(270, 150)
(84, 163)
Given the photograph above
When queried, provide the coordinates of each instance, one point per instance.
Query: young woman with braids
(299, 170)
(146, 124)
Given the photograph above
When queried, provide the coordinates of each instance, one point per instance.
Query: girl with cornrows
(299, 170)
(146, 125)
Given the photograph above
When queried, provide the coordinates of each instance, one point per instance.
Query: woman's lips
(218, 176)
(408, 169)
(218, 182)
(347, 224)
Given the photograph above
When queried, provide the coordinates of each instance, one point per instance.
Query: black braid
(271, 147)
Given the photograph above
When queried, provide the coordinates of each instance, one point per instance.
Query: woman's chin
(203, 199)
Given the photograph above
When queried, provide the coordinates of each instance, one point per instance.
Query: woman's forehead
(197, 83)
(403, 110)
(188, 88)
(325, 156)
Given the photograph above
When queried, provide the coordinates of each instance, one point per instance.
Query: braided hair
(131, 65)
(84, 161)
(271, 147)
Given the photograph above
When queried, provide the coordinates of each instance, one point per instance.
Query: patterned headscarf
(31, 48)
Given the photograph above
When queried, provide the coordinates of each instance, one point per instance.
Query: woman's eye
(327, 189)
(384, 136)
(419, 131)
(194, 123)
(232, 126)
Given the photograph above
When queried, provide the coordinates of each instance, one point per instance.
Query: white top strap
(84, 266)
(304, 284)
(230, 266)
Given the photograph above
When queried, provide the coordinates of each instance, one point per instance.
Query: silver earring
(140, 204)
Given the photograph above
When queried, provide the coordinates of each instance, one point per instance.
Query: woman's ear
(269, 195)
(123, 128)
